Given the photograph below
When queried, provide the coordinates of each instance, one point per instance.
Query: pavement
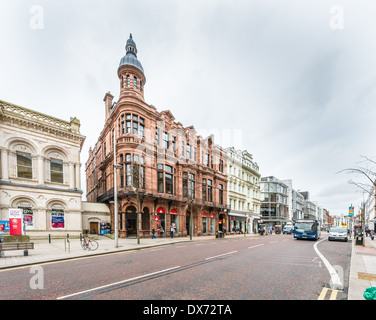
(362, 269)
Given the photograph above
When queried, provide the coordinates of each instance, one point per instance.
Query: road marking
(335, 280)
(273, 241)
(220, 255)
(256, 246)
(116, 283)
(323, 294)
(333, 295)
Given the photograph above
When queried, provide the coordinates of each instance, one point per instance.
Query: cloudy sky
(292, 82)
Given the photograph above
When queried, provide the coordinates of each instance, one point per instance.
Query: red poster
(15, 227)
(15, 222)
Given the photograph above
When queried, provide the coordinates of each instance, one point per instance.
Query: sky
(291, 82)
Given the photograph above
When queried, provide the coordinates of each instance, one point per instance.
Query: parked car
(288, 229)
(338, 233)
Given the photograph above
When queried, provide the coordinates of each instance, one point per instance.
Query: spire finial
(130, 36)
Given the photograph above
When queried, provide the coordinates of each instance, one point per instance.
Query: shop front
(237, 223)
(174, 221)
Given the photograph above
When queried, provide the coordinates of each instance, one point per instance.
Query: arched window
(128, 81)
(135, 82)
(28, 213)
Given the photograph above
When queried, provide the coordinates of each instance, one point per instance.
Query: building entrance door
(94, 228)
(131, 221)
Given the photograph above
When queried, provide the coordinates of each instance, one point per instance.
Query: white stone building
(40, 170)
(243, 190)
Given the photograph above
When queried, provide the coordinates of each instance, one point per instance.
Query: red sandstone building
(174, 170)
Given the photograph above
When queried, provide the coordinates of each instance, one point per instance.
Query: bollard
(49, 238)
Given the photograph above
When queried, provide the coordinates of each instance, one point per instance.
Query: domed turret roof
(130, 58)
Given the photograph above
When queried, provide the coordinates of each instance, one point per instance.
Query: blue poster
(6, 224)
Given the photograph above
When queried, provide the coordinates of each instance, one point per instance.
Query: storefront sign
(15, 222)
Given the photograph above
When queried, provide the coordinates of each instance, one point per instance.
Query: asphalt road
(263, 268)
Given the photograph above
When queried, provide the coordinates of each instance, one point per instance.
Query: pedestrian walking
(162, 231)
(172, 232)
(153, 234)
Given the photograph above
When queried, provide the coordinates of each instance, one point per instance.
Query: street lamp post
(137, 214)
(116, 217)
(191, 220)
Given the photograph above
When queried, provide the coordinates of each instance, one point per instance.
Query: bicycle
(89, 243)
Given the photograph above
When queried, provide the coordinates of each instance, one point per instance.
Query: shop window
(28, 214)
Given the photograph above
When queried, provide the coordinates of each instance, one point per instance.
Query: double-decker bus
(307, 229)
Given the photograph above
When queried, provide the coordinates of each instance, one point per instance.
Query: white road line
(115, 283)
(335, 281)
(220, 255)
(256, 246)
(273, 241)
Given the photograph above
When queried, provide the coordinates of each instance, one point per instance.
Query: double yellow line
(333, 295)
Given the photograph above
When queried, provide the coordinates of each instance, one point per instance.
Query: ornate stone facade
(40, 170)
(173, 170)
(244, 196)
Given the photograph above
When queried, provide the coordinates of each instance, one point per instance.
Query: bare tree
(367, 171)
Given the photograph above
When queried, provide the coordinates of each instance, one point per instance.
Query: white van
(288, 229)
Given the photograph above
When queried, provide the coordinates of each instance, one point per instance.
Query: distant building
(274, 201)
(243, 190)
(309, 207)
(295, 202)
